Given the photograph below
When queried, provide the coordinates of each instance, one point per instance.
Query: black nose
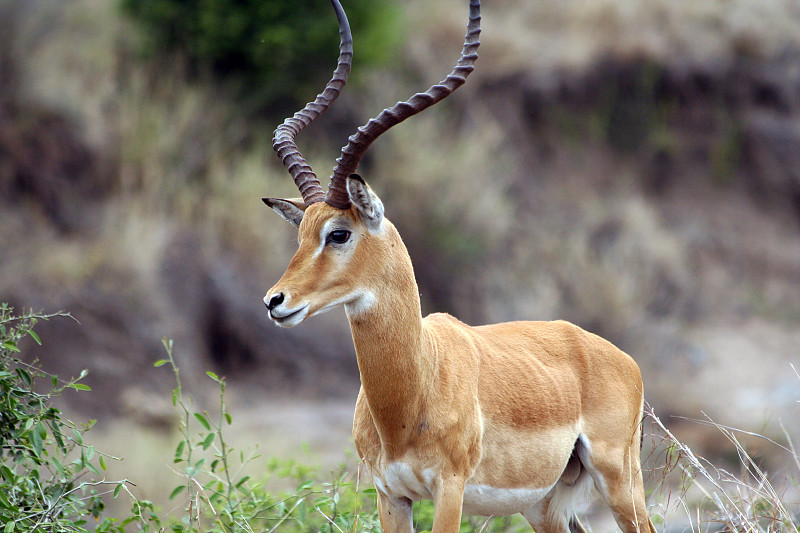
(275, 301)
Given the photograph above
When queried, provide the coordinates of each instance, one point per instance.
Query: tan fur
(497, 409)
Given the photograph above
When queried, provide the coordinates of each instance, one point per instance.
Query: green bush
(218, 496)
(48, 475)
(275, 47)
(52, 480)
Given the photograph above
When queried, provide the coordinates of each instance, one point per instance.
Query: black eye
(338, 236)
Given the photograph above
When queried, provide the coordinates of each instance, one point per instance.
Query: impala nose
(275, 301)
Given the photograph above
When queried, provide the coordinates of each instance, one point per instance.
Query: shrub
(51, 479)
(273, 46)
(219, 497)
(47, 473)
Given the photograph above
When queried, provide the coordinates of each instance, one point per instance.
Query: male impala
(493, 420)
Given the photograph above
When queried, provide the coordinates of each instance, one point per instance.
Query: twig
(287, 515)
(329, 519)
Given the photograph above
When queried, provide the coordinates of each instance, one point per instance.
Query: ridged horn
(359, 142)
(283, 142)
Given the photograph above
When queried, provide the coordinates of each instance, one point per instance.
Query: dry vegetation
(630, 166)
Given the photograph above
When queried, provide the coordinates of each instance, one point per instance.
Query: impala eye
(338, 236)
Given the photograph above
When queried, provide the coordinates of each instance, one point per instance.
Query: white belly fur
(491, 501)
(399, 480)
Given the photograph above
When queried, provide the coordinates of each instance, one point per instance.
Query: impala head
(336, 258)
(343, 235)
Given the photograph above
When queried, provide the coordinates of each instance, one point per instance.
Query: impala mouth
(290, 318)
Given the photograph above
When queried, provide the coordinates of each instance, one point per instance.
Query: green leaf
(117, 490)
(179, 451)
(212, 376)
(88, 453)
(229, 418)
(92, 468)
(4, 501)
(59, 467)
(79, 386)
(203, 421)
(25, 376)
(175, 394)
(102, 461)
(208, 441)
(36, 438)
(59, 438)
(9, 527)
(177, 490)
(9, 345)
(35, 337)
(7, 474)
(160, 362)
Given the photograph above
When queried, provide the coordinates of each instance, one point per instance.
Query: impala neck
(390, 347)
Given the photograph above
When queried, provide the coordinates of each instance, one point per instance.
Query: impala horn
(359, 142)
(283, 140)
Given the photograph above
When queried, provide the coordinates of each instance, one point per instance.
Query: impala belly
(399, 480)
(493, 501)
(517, 470)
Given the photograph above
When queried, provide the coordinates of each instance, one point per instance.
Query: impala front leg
(448, 501)
(395, 514)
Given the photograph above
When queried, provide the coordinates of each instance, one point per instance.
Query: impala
(519, 417)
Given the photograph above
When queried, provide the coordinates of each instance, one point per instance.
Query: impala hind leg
(556, 513)
(395, 514)
(618, 478)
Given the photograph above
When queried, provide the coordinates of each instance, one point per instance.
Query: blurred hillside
(633, 167)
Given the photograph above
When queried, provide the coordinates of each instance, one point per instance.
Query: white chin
(292, 319)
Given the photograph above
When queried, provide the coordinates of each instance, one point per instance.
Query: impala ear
(367, 202)
(291, 209)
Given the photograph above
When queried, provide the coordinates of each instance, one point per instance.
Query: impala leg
(541, 524)
(447, 503)
(556, 512)
(542, 520)
(395, 514)
(619, 480)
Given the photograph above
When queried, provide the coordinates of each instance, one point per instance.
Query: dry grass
(695, 494)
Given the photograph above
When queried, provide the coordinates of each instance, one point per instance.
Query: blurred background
(633, 167)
